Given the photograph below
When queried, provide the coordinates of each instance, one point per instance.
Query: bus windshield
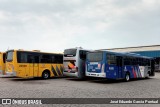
(94, 57)
(9, 56)
(70, 52)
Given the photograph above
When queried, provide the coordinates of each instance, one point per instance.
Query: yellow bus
(29, 64)
(2, 63)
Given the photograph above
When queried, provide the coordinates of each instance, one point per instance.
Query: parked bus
(2, 63)
(74, 62)
(29, 64)
(113, 65)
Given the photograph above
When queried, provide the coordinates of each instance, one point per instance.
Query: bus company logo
(6, 101)
(43, 65)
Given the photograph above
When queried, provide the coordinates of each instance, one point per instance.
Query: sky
(55, 25)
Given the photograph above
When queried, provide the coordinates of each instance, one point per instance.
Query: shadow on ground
(35, 79)
(85, 79)
(109, 81)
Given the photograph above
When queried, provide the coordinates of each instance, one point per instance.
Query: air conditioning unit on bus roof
(36, 50)
(79, 47)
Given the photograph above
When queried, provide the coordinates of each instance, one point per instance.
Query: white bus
(74, 62)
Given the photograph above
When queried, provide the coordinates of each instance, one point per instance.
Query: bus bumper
(90, 74)
(11, 73)
(68, 74)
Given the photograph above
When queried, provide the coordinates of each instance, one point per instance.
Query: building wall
(149, 53)
(136, 49)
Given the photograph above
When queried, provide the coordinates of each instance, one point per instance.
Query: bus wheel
(45, 75)
(127, 77)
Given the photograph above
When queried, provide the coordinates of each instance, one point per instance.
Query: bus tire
(46, 74)
(127, 77)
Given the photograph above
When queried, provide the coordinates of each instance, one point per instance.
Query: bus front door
(119, 66)
(34, 66)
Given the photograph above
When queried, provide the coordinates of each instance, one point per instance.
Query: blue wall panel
(149, 53)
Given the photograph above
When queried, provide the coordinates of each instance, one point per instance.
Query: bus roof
(20, 50)
(2, 52)
(124, 54)
(80, 48)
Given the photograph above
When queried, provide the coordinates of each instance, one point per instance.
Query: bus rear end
(10, 63)
(70, 62)
(95, 65)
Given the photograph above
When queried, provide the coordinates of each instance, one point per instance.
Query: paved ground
(73, 88)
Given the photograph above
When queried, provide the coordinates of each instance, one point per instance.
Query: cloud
(54, 25)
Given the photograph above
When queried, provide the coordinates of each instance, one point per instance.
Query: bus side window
(30, 59)
(36, 59)
(22, 57)
(45, 59)
(53, 59)
(128, 60)
(57, 59)
(111, 59)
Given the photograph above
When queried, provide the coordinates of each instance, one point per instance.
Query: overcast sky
(54, 25)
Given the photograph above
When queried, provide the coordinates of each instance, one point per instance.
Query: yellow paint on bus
(28, 64)
(2, 63)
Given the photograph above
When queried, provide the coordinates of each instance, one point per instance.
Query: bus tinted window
(22, 57)
(94, 57)
(70, 52)
(127, 61)
(9, 56)
(46, 59)
(58, 59)
(49, 58)
(32, 57)
(111, 59)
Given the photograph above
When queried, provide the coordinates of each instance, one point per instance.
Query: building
(150, 51)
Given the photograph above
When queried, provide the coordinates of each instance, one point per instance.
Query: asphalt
(73, 88)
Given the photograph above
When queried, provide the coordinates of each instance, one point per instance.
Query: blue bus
(113, 65)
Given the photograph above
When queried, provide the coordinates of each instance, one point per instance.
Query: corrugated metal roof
(150, 51)
(133, 49)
